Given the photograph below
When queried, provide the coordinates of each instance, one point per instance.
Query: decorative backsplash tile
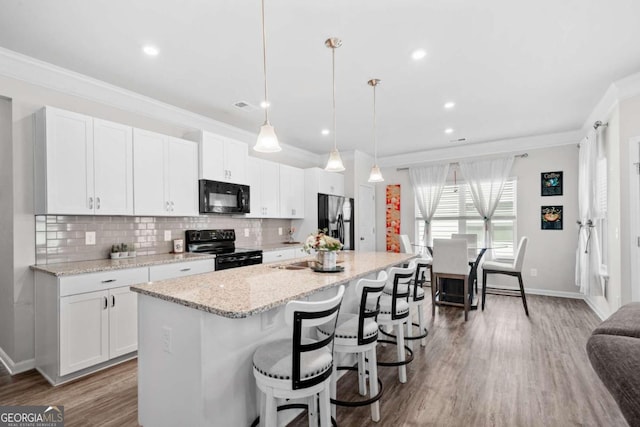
(62, 238)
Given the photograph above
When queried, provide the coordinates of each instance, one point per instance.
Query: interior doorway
(634, 198)
(366, 218)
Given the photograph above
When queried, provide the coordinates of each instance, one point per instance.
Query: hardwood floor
(498, 369)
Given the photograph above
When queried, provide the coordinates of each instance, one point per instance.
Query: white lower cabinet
(187, 268)
(123, 321)
(282, 254)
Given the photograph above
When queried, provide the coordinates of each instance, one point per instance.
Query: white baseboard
(16, 368)
(597, 310)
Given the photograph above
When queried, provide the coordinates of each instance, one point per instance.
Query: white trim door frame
(634, 218)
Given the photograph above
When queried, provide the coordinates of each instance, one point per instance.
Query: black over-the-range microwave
(223, 197)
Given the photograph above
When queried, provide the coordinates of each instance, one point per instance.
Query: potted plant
(124, 250)
(115, 251)
(132, 250)
(326, 247)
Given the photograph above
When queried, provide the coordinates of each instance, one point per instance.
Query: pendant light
(267, 139)
(335, 162)
(375, 175)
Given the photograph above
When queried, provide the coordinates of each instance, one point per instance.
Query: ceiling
(513, 68)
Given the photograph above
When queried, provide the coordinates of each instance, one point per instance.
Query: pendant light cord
(333, 61)
(264, 65)
(375, 141)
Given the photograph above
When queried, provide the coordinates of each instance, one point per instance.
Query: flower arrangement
(320, 241)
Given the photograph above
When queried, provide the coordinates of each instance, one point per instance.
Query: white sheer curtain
(486, 180)
(427, 183)
(590, 210)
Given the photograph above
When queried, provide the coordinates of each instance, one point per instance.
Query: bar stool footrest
(406, 361)
(417, 337)
(359, 402)
(304, 406)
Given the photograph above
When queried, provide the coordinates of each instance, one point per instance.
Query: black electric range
(222, 243)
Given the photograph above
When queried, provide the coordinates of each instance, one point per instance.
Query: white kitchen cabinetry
(165, 175)
(221, 158)
(291, 192)
(171, 271)
(330, 182)
(85, 321)
(264, 182)
(83, 165)
(282, 254)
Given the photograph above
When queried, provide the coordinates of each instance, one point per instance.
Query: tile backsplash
(62, 238)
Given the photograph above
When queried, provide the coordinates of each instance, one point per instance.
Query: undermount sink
(293, 266)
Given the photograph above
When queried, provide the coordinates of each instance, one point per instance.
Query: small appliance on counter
(222, 244)
(223, 197)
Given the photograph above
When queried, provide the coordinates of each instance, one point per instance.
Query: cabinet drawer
(91, 282)
(181, 269)
(279, 255)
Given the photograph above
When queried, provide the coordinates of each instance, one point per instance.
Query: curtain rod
(523, 156)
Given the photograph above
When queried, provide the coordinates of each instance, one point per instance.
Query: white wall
(6, 230)
(551, 252)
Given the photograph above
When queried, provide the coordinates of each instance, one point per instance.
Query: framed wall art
(551, 183)
(393, 218)
(551, 217)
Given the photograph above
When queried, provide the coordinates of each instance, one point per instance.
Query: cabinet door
(182, 177)
(212, 157)
(123, 321)
(113, 168)
(149, 168)
(331, 183)
(255, 194)
(69, 162)
(270, 189)
(235, 156)
(84, 331)
(297, 193)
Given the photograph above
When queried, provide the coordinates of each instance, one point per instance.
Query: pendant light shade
(335, 161)
(375, 175)
(267, 139)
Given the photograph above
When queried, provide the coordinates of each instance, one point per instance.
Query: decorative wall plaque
(551, 217)
(551, 183)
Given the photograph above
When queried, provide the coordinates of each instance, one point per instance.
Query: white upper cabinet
(165, 175)
(330, 183)
(291, 192)
(113, 168)
(221, 158)
(264, 183)
(83, 166)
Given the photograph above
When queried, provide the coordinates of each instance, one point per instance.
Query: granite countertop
(82, 267)
(242, 292)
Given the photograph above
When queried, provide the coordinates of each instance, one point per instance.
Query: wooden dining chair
(450, 261)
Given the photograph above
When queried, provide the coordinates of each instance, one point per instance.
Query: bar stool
(394, 312)
(358, 334)
(416, 301)
(298, 367)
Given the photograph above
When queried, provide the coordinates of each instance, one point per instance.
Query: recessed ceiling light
(448, 130)
(265, 104)
(418, 54)
(449, 105)
(326, 131)
(151, 50)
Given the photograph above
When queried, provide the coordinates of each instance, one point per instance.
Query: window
(457, 214)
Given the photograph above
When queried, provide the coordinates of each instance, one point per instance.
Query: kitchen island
(197, 335)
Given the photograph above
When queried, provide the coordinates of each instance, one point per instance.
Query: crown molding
(33, 71)
(503, 146)
(618, 91)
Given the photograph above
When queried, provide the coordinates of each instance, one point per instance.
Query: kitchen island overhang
(197, 335)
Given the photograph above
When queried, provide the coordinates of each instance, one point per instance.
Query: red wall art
(393, 218)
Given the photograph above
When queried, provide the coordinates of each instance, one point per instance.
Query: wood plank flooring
(498, 369)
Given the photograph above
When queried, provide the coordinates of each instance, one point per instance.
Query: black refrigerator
(335, 213)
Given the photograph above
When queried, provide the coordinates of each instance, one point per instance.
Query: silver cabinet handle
(229, 174)
(279, 256)
(167, 207)
(97, 202)
(172, 207)
(90, 202)
(185, 269)
(106, 303)
(109, 281)
(113, 300)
